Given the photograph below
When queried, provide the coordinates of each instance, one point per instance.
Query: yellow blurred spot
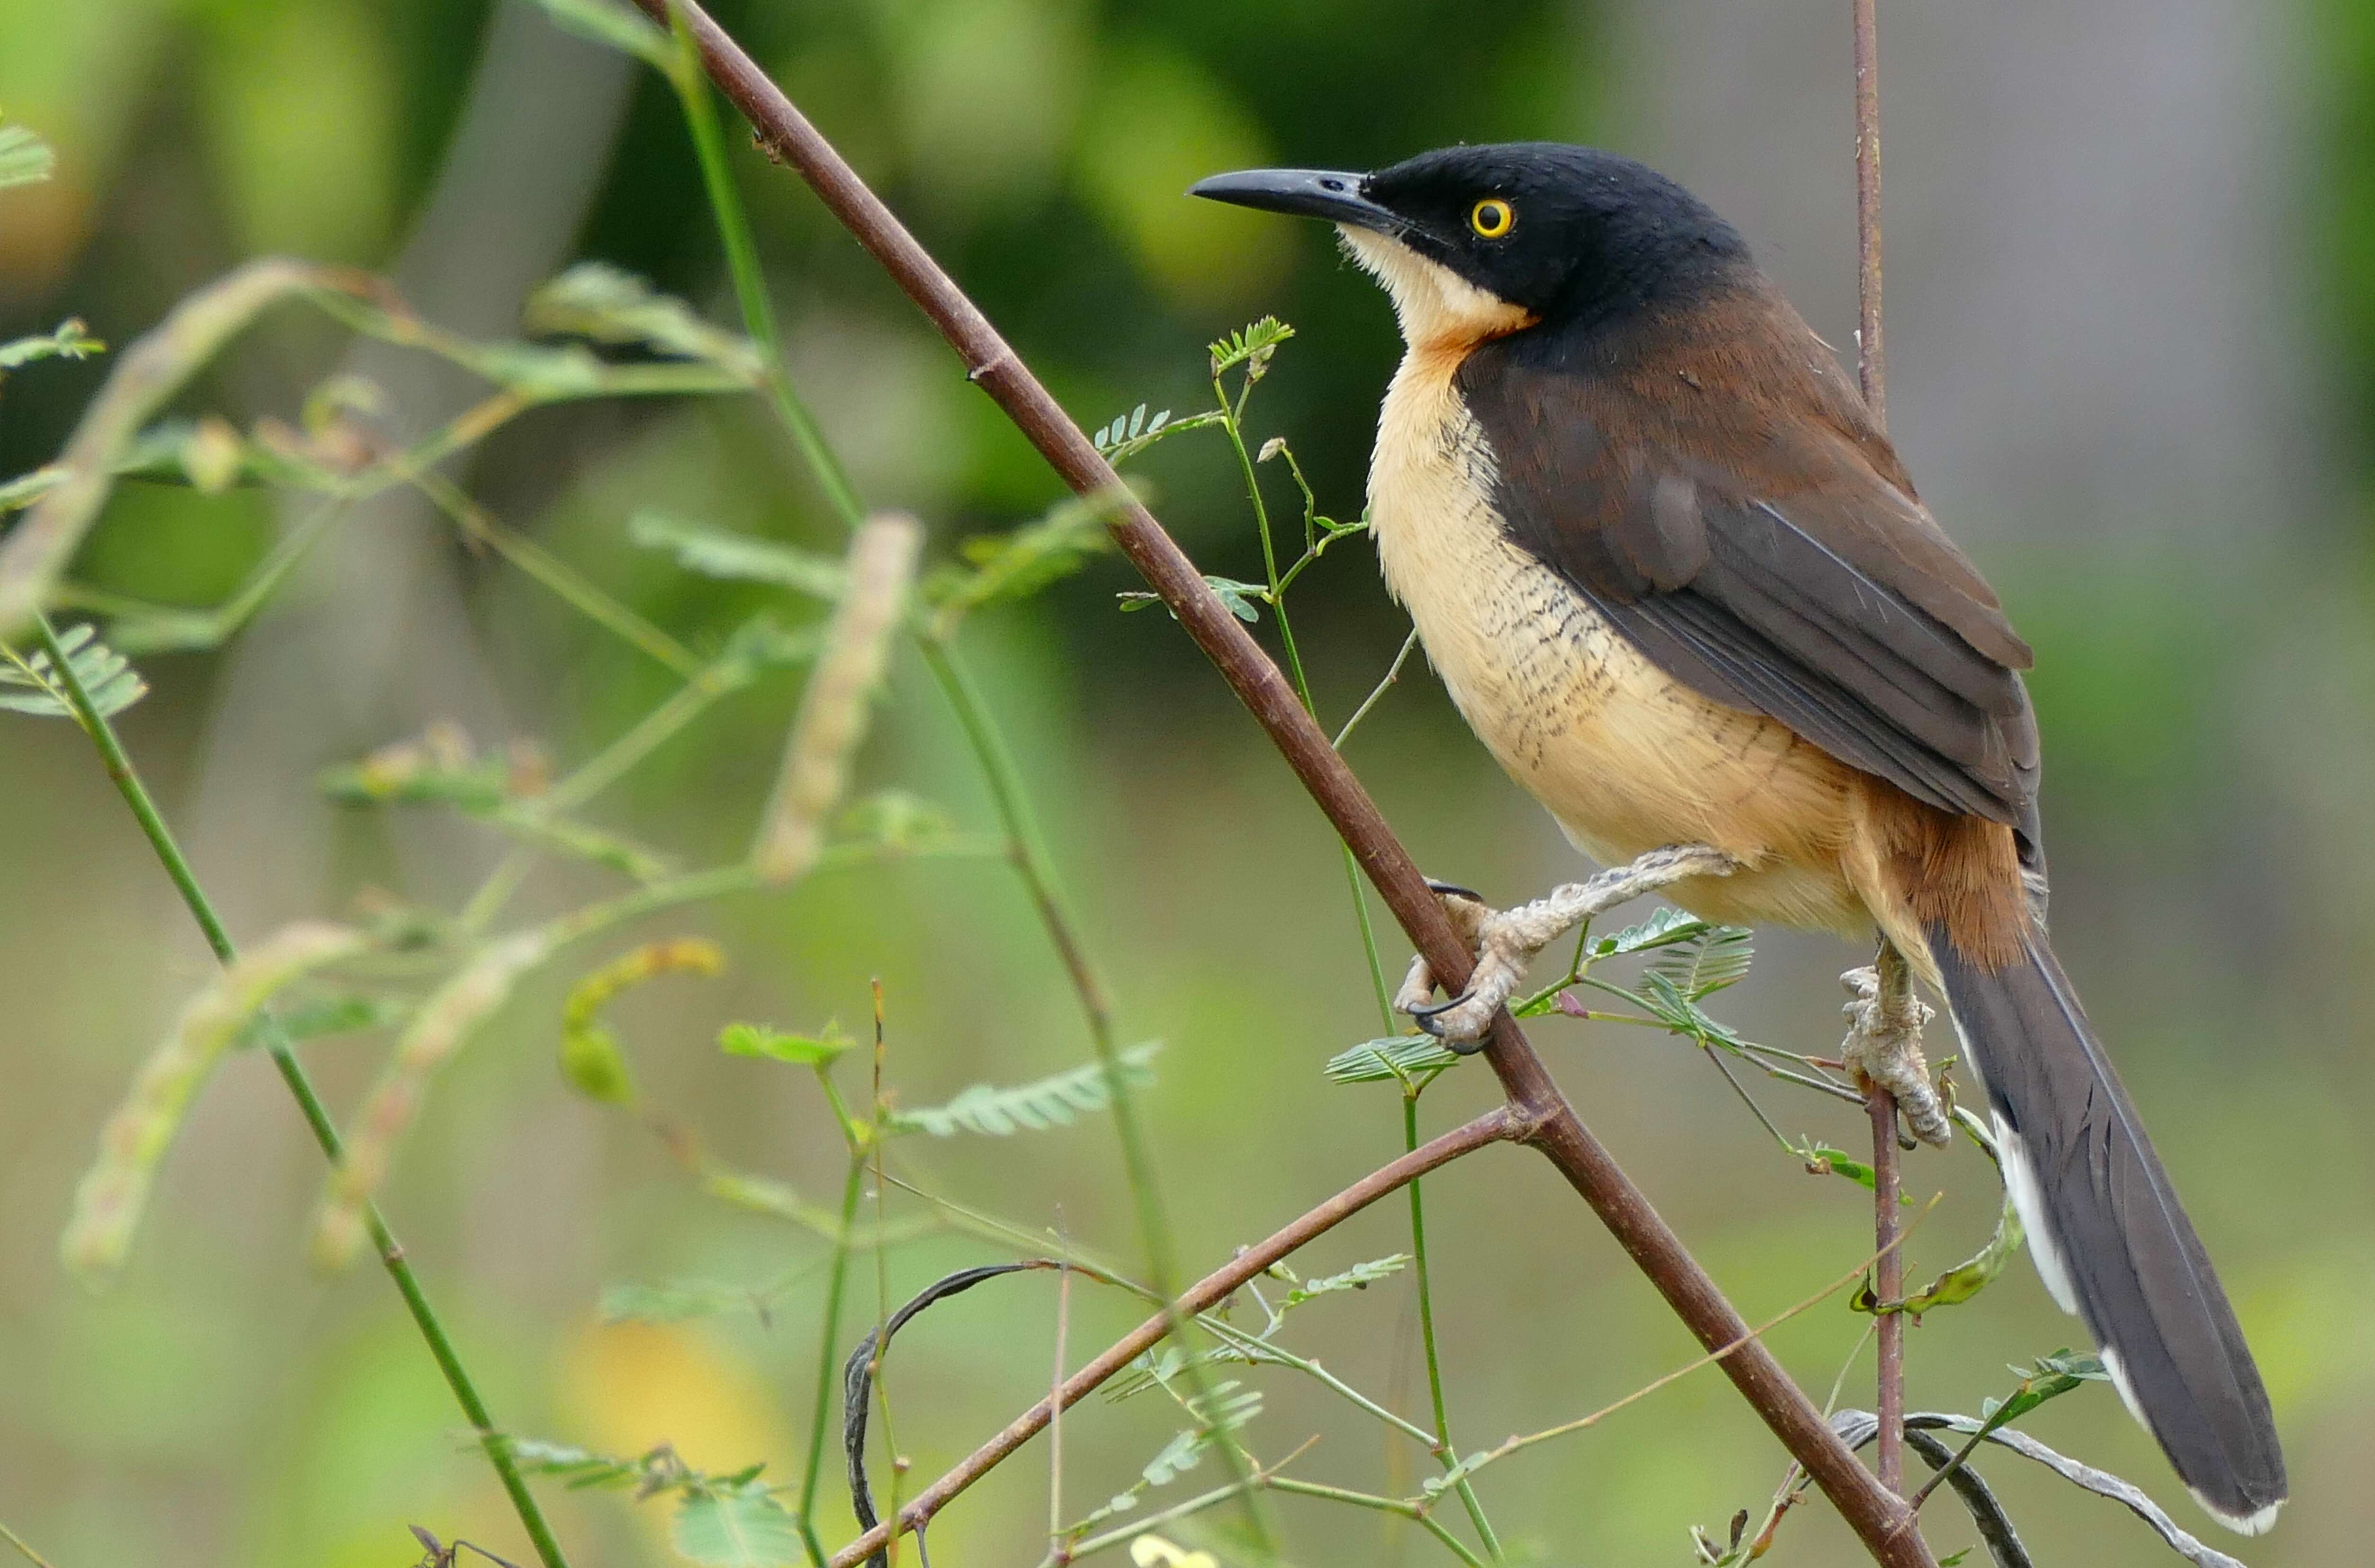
(625, 1387)
(1160, 123)
(1153, 1551)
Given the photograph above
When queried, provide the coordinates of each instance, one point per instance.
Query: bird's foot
(1506, 940)
(1883, 1046)
(1502, 955)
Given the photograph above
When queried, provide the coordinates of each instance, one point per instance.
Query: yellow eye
(1492, 217)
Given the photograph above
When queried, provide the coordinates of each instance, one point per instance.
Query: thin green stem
(828, 1355)
(558, 576)
(1445, 1450)
(1256, 1350)
(750, 281)
(301, 1088)
(880, 1111)
(23, 1549)
(682, 706)
(1369, 940)
(1270, 553)
(1393, 673)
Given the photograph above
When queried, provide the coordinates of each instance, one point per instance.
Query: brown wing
(1719, 495)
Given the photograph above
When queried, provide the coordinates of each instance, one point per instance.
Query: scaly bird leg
(1506, 940)
(1883, 1043)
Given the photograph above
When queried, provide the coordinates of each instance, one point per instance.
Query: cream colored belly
(1625, 759)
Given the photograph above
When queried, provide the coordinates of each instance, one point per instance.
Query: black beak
(1305, 193)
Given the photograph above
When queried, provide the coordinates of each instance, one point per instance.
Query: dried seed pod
(833, 716)
(111, 1195)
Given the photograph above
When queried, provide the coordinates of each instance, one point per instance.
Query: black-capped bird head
(1494, 237)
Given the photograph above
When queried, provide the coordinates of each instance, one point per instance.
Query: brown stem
(1872, 367)
(1889, 1284)
(1872, 371)
(1881, 1520)
(1494, 1126)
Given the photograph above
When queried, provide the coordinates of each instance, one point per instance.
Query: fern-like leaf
(1359, 1276)
(1396, 1056)
(70, 341)
(1251, 347)
(1706, 962)
(25, 159)
(604, 304)
(30, 685)
(1051, 1101)
(1663, 928)
(714, 552)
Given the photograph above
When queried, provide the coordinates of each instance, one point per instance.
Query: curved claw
(1428, 1019)
(1453, 889)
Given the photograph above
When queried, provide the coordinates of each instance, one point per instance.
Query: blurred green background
(2131, 315)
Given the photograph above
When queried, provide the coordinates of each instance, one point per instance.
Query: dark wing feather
(1749, 543)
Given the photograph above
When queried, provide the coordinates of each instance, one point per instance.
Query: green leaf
(70, 341)
(578, 1467)
(1664, 927)
(1133, 432)
(1955, 1558)
(1669, 1005)
(897, 819)
(1011, 565)
(2052, 1377)
(111, 683)
(1251, 347)
(800, 1050)
(595, 301)
(25, 159)
(1051, 1101)
(26, 488)
(542, 374)
(1359, 1276)
(674, 1303)
(715, 552)
(1975, 1273)
(613, 23)
(743, 1528)
(1822, 1159)
(321, 1017)
(1395, 1058)
(1707, 961)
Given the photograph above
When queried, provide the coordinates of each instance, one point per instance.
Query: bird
(1679, 582)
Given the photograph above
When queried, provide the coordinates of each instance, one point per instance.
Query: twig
(1502, 1124)
(1056, 1411)
(24, 1550)
(1887, 1529)
(301, 1087)
(1445, 1451)
(828, 1355)
(1872, 367)
(1393, 673)
(1747, 1338)
(1871, 372)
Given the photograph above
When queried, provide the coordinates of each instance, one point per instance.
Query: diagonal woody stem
(1887, 1527)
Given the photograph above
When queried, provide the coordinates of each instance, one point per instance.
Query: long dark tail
(2107, 1231)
